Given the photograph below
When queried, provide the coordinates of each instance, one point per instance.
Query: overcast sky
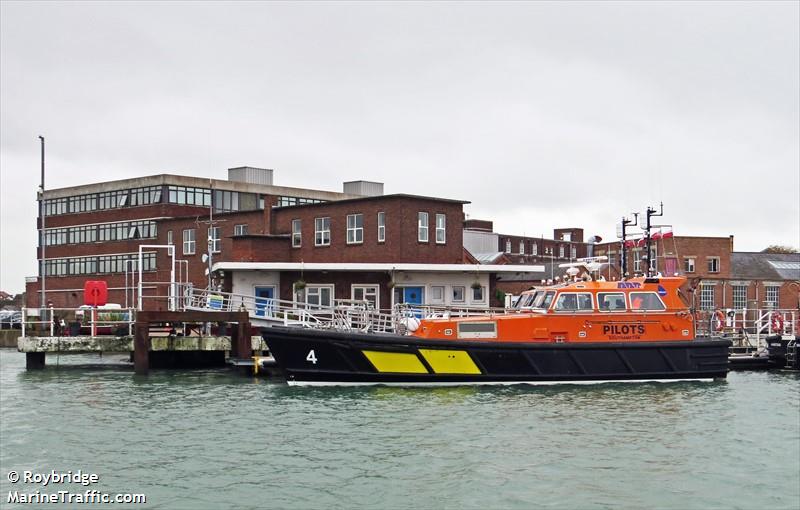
(543, 115)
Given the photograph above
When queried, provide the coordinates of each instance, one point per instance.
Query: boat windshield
(543, 299)
(526, 300)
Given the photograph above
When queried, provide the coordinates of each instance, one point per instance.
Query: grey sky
(542, 114)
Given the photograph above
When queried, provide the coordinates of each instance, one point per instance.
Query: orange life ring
(719, 315)
(776, 320)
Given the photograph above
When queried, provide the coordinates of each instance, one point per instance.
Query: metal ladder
(791, 354)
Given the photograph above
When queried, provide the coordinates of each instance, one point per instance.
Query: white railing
(747, 327)
(349, 315)
(59, 321)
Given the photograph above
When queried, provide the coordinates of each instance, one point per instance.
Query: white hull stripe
(488, 383)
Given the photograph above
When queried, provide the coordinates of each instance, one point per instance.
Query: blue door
(412, 295)
(265, 303)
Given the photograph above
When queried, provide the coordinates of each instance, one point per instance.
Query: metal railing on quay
(747, 328)
(75, 321)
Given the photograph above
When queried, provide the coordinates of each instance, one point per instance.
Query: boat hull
(321, 357)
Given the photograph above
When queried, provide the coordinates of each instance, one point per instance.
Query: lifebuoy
(719, 316)
(776, 320)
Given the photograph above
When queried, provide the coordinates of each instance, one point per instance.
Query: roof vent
(251, 175)
(363, 188)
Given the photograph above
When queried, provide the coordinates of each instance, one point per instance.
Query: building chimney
(250, 175)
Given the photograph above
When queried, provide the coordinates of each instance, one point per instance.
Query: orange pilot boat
(585, 331)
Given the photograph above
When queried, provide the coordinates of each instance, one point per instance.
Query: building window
(441, 223)
(188, 242)
(422, 227)
(771, 293)
(214, 239)
(367, 293)
(566, 236)
(522, 247)
(713, 264)
(319, 295)
(297, 234)
(381, 227)
(707, 297)
(561, 251)
(355, 228)
(508, 245)
(740, 297)
(534, 249)
(478, 294)
(574, 252)
(637, 261)
(437, 294)
(688, 265)
(458, 294)
(169, 236)
(322, 231)
(240, 230)
(184, 195)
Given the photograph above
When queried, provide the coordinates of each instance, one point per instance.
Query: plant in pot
(299, 285)
(476, 285)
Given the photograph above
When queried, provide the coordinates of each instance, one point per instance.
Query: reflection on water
(213, 439)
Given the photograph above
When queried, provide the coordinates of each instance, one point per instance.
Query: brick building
(94, 231)
(260, 239)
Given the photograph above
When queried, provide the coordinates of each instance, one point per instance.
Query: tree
(778, 248)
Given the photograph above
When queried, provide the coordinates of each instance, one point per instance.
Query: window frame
(320, 231)
(600, 300)
(381, 226)
(216, 242)
(463, 294)
(354, 230)
(689, 262)
(367, 288)
(191, 243)
(422, 227)
(297, 233)
(713, 264)
(442, 229)
(240, 230)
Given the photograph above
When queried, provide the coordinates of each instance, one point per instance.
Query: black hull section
(335, 357)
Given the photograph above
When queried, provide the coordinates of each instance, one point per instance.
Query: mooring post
(34, 360)
(244, 346)
(141, 344)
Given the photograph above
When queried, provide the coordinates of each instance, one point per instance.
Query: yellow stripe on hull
(396, 362)
(450, 362)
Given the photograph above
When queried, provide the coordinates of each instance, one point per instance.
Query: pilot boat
(584, 331)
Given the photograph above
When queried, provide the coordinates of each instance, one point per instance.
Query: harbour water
(214, 439)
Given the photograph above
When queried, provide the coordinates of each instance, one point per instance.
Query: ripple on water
(210, 439)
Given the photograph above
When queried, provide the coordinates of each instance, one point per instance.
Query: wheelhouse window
(646, 301)
(574, 301)
(214, 239)
(188, 242)
(611, 301)
(441, 222)
(355, 228)
(322, 231)
(422, 227)
(543, 300)
(297, 234)
(381, 227)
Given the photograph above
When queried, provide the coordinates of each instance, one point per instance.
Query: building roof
(765, 266)
(378, 197)
(347, 266)
(488, 258)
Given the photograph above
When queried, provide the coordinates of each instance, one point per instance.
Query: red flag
(656, 236)
(667, 235)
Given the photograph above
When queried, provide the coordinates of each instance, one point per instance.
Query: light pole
(42, 235)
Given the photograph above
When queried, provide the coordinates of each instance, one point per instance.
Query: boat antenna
(623, 261)
(651, 212)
